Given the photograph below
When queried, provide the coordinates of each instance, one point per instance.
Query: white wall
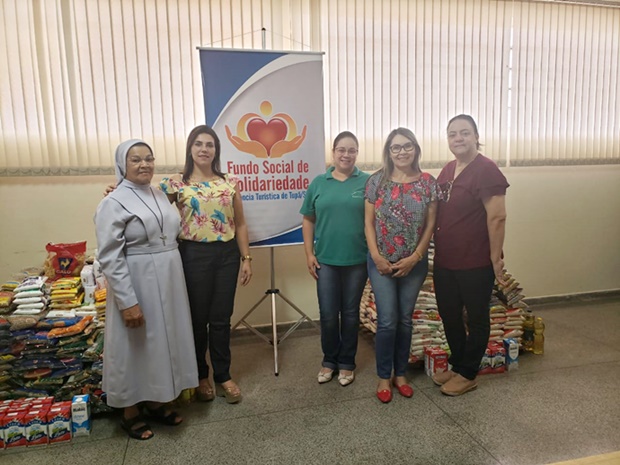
(562, 236)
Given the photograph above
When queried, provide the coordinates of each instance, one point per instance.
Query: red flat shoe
(404, 390)
(385, 395)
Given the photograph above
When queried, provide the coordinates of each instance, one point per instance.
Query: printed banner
(267, 109)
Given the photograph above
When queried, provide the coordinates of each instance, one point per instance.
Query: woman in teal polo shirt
(335, 246)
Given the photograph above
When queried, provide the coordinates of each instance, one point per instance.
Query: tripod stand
(272, 292)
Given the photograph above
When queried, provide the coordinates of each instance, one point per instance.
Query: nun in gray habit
(149, 344)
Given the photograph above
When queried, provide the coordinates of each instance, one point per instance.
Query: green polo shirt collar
(330, 170)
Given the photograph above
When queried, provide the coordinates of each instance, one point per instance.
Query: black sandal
(159, 415)
(136, 433)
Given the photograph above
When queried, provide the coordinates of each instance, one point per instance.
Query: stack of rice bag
(31, 296)
(66, 293)
(508, 300)
(368, 309)
(498, 319)
(100, 299)
(6, 297)
(6, 358)
(428, 329)
(427, 326)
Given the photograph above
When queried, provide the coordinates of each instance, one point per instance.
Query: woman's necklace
(163, 237)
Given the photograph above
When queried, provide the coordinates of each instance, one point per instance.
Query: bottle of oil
(539, 336)
(528, 332)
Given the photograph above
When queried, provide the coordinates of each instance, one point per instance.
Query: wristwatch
(246, 257)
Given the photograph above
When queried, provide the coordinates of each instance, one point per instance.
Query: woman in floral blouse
(213, 238)
(401, 207)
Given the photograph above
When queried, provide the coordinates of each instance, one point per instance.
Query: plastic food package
(65, 259)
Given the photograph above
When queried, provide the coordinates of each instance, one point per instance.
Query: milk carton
(59, 423)
(494, 359)
(436, 360)
(14, 432)
(512, 353)
(36, 427)
(80, 415)
(499, 357)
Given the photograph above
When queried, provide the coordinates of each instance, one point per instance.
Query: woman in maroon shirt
(469, 237)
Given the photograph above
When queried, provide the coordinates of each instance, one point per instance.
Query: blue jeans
(395, 299)
(340, 289)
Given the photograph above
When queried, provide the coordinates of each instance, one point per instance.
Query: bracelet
(419, 254)
(246, 257)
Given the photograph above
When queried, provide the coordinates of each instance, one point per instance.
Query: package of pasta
(65, 259)
(70, 330)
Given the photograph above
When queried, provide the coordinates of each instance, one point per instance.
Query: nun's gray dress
(136, 230)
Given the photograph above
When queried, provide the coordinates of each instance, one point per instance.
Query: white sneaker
(345, 380)
(325, 377)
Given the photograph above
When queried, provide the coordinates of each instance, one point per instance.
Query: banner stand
(273, 292)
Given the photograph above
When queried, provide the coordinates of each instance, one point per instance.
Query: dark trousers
(211, 273)
(471, 289)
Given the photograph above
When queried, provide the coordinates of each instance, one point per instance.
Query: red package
(65, 259)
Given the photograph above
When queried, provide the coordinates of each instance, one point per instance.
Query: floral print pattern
(400, 213)
(207, 213)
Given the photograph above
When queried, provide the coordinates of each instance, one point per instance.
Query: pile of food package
(54, 347)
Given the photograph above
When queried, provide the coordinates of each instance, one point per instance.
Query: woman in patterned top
(401, 207)
(213, 238)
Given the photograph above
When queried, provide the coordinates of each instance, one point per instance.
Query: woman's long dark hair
(388, 164)
(189, 161)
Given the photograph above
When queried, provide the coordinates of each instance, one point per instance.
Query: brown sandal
(232, 394)
(205, 393)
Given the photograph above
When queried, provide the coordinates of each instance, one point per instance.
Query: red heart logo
(267, 133)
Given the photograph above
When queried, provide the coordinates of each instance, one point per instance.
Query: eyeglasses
(342, 151)
(137, 160)
(445, 189)
(408, 147)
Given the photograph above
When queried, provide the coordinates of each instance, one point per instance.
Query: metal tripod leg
(273, 292)
(303, 318)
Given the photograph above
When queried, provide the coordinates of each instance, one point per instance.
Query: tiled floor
(560, 406)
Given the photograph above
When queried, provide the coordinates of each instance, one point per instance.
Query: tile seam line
(292, 409)
(458, 425)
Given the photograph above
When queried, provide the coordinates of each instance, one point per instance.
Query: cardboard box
(494, 359)
(2, 414)
(80, 415)
(35, 422)
(512, 353)
(14, 431)
(59, 423)
(436, 360)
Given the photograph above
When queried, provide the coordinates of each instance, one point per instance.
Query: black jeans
(471, 289)
(211, 273)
